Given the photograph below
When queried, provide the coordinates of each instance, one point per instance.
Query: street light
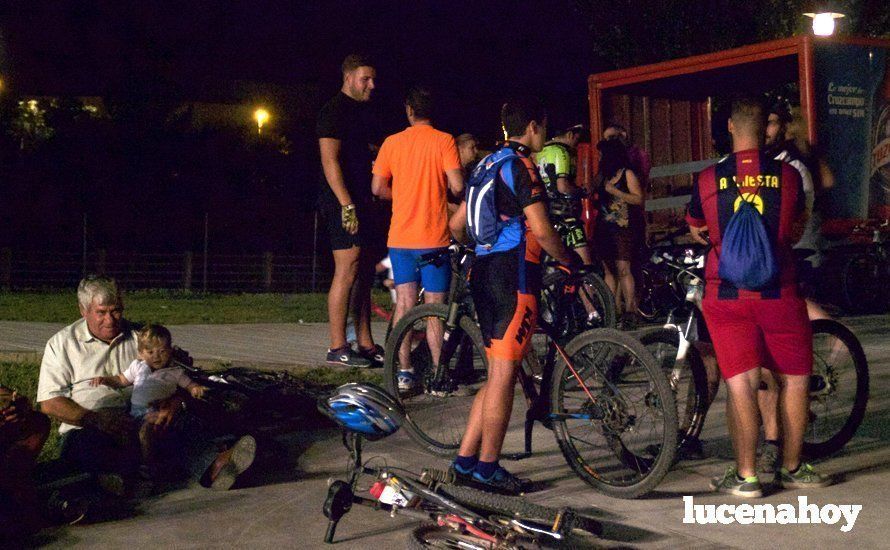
(823, 22)
(261, 116)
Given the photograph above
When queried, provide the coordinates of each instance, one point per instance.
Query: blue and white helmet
(363, 408)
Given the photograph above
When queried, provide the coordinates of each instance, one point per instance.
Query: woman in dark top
(618, 224)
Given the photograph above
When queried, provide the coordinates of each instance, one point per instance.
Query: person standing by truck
(620, 195)
(557, 166)
(759, 329)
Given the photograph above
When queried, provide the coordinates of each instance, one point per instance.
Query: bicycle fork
(685, 335)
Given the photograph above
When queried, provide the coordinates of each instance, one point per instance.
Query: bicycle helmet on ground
(363, 408)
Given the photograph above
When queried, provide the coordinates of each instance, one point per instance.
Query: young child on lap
(154, 378)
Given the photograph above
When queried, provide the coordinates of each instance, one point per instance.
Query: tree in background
(636, 32)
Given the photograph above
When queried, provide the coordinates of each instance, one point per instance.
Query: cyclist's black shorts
(371, 233)
(571, 230)
(505, 287)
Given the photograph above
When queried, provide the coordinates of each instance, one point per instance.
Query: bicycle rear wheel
(864, 284)
(838, 388)
(690, 388)
(436, 416)
(614, 413)
(591, 305)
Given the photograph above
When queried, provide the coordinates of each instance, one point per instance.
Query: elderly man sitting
(98, 435)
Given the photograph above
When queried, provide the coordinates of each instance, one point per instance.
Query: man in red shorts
(751, 330)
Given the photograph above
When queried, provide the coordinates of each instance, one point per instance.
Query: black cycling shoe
(502, 482)
(691, 449)
(375, 355)
(346, 357)
(461, 476)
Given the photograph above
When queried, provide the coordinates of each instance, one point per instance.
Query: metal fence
(187, 271)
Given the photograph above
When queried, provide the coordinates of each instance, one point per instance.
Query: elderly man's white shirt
(73, 357)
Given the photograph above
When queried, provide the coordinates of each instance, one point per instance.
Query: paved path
(269, 344)
(285, 513)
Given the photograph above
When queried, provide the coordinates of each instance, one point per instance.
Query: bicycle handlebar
(438, 257)
(573, 272)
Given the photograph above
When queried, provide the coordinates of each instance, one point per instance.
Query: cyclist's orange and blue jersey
(505, 278)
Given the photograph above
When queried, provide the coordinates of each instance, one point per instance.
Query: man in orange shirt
(415, 168)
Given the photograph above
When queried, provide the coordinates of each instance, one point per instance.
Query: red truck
(842, 86)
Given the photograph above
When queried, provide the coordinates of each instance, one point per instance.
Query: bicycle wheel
(647, 301)
(690, 388)
(592, 304)
(863, 284)
(436, 416)
(838, 388)
(431, 535)
(614, 417)
(510, 506)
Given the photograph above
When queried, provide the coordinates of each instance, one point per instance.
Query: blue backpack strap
(483, 221)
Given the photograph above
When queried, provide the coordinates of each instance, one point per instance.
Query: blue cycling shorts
(405, 269)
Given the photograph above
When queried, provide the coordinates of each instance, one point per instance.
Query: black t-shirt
(352, 123)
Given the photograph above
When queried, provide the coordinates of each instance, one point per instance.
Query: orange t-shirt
(416, 159)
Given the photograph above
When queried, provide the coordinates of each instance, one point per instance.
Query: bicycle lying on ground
(839, 385)
(600, 392)
(454, 516)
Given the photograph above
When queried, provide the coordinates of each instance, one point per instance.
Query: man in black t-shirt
(346, 136)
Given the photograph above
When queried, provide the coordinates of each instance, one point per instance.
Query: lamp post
(823, 22)
(261, 116)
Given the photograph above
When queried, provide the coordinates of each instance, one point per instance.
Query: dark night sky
(474, 53)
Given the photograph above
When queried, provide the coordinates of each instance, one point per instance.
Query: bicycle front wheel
(614, 413)
(838, 388)
(436, 410)
(514, 506)
(689, 380)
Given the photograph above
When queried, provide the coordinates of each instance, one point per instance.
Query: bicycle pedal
(516, 456)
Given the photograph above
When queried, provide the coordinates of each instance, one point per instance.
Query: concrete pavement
(269, 344)
(284, 511)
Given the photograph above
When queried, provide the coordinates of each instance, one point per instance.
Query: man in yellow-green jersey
(556, 163)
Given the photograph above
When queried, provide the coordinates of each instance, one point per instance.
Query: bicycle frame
(457, 294)
(341, 497)
(539, 401)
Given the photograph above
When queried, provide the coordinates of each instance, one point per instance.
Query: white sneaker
(407, 381)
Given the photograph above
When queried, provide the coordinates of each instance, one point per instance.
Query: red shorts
(773, 334)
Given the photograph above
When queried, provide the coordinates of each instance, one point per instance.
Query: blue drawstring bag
(747, 259)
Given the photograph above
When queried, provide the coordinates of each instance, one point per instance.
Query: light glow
(823, 23)
(261, 116)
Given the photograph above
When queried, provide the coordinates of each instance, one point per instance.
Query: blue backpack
(746, 254)
(484, 223)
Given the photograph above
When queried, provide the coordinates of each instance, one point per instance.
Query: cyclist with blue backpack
(505, 213)
(752, 206)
